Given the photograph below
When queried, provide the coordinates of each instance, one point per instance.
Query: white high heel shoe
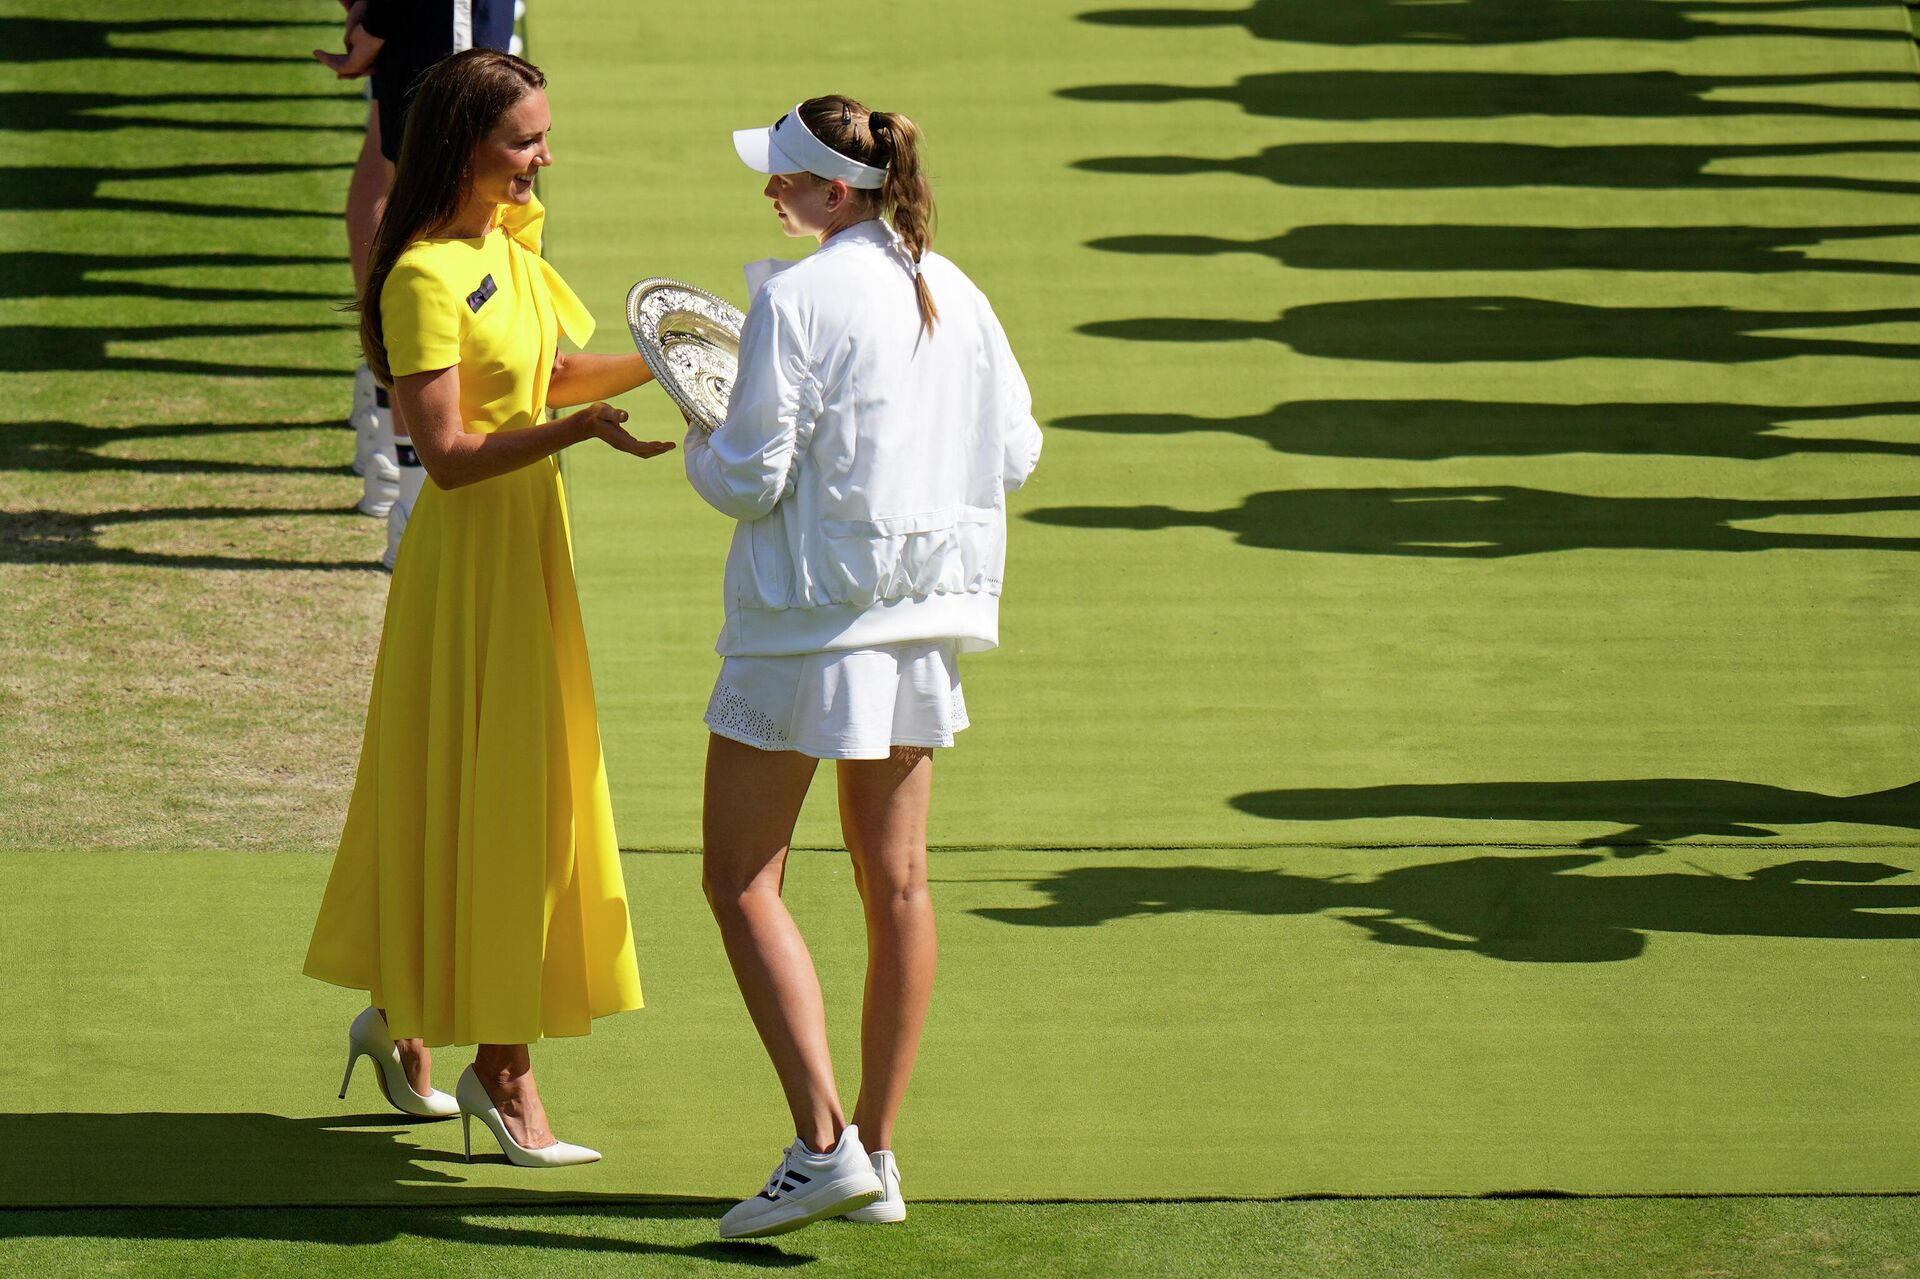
(368, 1037)
(476, 1104)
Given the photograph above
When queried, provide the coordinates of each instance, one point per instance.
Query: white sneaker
(413, 478)
(382, 474)
(889, 1206)
(806, 1187)
(360, 419)
(363, 390)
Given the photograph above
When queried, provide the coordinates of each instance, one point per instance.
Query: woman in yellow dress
(477, 894)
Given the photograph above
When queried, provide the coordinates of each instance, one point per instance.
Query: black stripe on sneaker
(800, 1177)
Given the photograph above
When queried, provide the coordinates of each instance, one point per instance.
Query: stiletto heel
(368, 1037)
(476, 1104)
(466, 1133)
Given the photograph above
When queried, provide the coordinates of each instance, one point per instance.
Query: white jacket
(867, 462)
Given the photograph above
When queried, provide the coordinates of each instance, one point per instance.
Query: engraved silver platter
(691, 341)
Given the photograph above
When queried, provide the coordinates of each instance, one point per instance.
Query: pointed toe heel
(474, 1103)
(368, 1037)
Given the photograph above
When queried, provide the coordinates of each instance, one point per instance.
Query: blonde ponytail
(906, 198)
(885, 139)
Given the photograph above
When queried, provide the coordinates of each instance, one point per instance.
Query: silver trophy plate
(691, 341)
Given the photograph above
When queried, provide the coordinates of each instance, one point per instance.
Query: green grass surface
(1593, 1239)
(1140, 1024)
(1490, 414)
(1347, 565)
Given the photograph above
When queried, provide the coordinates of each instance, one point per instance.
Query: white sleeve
(1019, 432)
(746, 466)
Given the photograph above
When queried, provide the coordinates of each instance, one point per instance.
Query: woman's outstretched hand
(603, 422)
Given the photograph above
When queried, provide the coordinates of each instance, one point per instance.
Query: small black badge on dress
(478, 298)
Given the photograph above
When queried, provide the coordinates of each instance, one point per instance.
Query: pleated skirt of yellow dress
(477, 893)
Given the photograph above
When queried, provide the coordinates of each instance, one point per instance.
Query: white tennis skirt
(855, 704)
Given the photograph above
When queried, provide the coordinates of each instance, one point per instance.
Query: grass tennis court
(1454, 730)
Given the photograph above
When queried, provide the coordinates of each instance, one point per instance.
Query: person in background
(392, 43)
(877, 424)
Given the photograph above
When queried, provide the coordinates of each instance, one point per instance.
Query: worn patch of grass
(194, 604)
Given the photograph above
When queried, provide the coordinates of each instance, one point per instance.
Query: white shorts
(856, 704)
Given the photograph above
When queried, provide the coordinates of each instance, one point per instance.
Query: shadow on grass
(1477, 22)
(251, 1158)
(1407, 166)
(1496, 521)
(1444, 330)
(73, 537)
(1517, 908)
(1655, 811)
(1455, 95)
(24, 39)
(1428, 430)
(52, 187)
(72, 275)
(46, 348)
(101, 112)
(74, 446)
(1735, 250)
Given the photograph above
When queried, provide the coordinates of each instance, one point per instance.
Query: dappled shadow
(24, 39)
(1654, 811)
(1426, 430)
(48, 348)
(52, 187)
(1437, 95)
(72, 275)
(82, 112)
(1470, 22)
(1519, 908)
(73, 537)
(1450, 330)
(1743, 250)
(74, 446)
(1496, 521)
(1406, 166)
(375, 1161)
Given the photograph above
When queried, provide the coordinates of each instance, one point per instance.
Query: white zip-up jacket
(867, 462)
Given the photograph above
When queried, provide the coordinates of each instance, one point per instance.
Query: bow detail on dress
(523, 224)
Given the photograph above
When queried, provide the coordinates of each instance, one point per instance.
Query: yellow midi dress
(477, 894)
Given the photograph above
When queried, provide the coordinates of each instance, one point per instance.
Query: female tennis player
(477, 894)
(877, 424)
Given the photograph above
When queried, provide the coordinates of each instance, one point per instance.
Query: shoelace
(774, 1187)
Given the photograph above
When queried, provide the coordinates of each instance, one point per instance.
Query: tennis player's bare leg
(366, 198)
(883, 816)
(753, 799)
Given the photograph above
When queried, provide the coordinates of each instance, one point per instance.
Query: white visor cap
(790, 147)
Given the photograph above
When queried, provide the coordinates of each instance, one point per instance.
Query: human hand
(603, 422)
(363, 48)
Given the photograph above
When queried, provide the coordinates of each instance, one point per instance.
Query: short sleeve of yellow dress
(477, 893)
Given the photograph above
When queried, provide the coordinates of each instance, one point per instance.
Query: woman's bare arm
(578, 379)
(454, 456)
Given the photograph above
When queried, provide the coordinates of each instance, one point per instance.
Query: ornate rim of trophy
(691, 341)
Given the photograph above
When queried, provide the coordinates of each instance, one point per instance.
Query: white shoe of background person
(364, 388)
(413, 477)
(368, 1037)
(381, 478)
(806, 1187)
(476, 1104)
(889, 1206)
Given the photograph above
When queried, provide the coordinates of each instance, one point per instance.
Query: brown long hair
(458, 102)
(890, 140)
